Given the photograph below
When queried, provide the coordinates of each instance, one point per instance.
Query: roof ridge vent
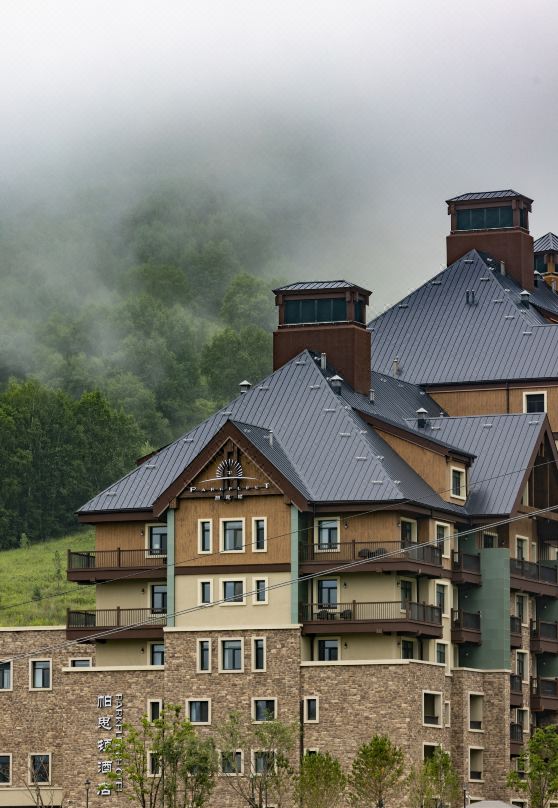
(524, 296)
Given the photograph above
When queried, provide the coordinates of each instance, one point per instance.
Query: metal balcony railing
(470, 621)
(371, 550)
(516, 733)
(372, 612)
(544, 630)
(465, 562)
(516, 683)
(533, 572)
(115, 618)
(114, 559)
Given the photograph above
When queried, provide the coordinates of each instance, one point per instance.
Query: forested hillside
(120, 331)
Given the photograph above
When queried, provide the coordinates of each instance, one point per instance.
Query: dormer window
(458, 483)
(534, 402)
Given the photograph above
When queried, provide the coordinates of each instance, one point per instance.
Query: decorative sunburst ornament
(229, 469)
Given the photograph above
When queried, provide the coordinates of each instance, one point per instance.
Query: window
(258, 654)
(39, 768)
(431, 708)
(5, 770)
(441, 653)
(447, 714)
(5, 675)
(443, 538)
(328, 650)
(154, 707)
(485, 218)
(40, 674)
(488, 541)
(407, 649)
(157, 653)
(260, 590)
(520, 610)
(233, 535)
(522, 718)
(233, 592)
(231, 655)
(264, 709)
(311, 710)
(327, 593)
(263, 762)
(476, 763)
(408, 532)
(540, 264)
(154, 764)
(406, 592)
(476, 707)
(204, 535)
(458, 487)
(521, 665)
(205, 592)
(320, 310)
(158, 598)
(259, 535)
(204, 656)
(534, 402)
(328, 534)
(80, 662)
(157, 540)
(520, 549)
(441, 597)
(199, 711)
(428, 750)
(231, 762)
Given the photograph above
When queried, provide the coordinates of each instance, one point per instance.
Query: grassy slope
(28, 574)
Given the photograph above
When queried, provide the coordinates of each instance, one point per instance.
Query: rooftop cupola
(546, 257)
(495, 222)
(328, 317)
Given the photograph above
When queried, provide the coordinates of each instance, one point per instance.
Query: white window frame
(462, 486)
(222, 601)
(199, 723)
(254, 534)
(38, 689)
(11, 687)
(480, 749)
(440, 695)
(317, 548)
(469, 694)
(263, 698)
(414, 529)
(150, 755)
(80, 659)
(527, 725)
(527, 393)
(316, 585)
(221, 640)
(305, 719)
(200, 522)
(150, 588)
(441, 582)
(240, 773)
(254, 752)
(255, 600)
(413, 583)
(205, 581)
(9, 783)
(199, 640)
(429, 744)
(447, 538)
(525, 655)
(253, 660)
(447, 713)
(29, 778)
(222, 533)
(147, 531)
(149, 703)
(446, 664)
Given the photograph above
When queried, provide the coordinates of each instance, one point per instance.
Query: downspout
(170, 568)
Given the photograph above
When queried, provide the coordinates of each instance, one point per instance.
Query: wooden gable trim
(545, 432)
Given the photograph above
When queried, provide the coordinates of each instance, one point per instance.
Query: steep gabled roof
(546, 243)
(439, 338)
(479, 195)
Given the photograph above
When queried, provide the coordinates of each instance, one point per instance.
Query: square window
(233, 592)
(80, 662)
(157, 653)
(264, 709)
(199, 711)
(311, 710)
(205, 592)
(204, 535)
(5, 769)
(40, 674)
(260, 590)
(259, 535)
(231, 762)
(258, 654)
(39, 769)
(328, 534)
(264, 762)
(231, 655)
(328, 650)
(458, 487)
(534, 402)
(158, 599)
(157, 540)
(5, 675)
(488, 541)
(429, 750)
(233, 535)
(204, 656)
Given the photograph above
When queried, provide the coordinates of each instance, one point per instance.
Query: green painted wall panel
(492, 600)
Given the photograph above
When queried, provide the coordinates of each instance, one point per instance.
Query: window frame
(151, 757)
(151, 646)
(200, 536)
(148, 548)
(265, 601)
(474, 693)
(520, 654)
(199, 723)
(88, 659)
(255, 519)
(403, 579)
(414, 531)
(407, 640)
(445, 644)
(526, 541)
(199, 641)
(527, 393)
(446, 540)
(222, 669)
(463, 484)
(239, 773)
(253, 709)
(305, 719)
(446, 611)
(222, 522)
(31, 671)
(10, 664)
(151, 593)
(329, 639)
(201, 582)
(318, 581)
(439, 701)
(222, 597)
(327, 549)
(429, 744)
(149, 712)
(254, 657)
(9, 780)
(478, 749)
(254, 752)
(30, 780)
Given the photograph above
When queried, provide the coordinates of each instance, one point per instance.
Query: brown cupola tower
(327, 317)
(495, 222)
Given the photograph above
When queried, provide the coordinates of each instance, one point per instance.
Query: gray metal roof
(503, 445)
(307, 286)
(479, 195)
(439, 338)
(546, 243)
(320, 444)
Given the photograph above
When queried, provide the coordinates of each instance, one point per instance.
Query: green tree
(539, 763)
(267, 747)
(435, 782)
(232, 356)
(320, 782)
(249, 300)
(376, 773)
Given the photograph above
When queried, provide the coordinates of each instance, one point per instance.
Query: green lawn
(33, 586)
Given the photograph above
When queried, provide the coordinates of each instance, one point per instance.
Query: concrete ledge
(254, 629)
(110, 668)
(12, 796)
(341, 662)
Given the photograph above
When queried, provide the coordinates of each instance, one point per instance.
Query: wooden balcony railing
(531, 571)
(114, 559)
(465, 627)
(544, 694)
(466, 562)
(133, 622)
(544, 630)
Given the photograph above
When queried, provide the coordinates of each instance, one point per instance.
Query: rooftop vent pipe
(524, 298)
(395, 366)
(422, 418)
(470, 297)
(371, 395)
(502, 268)
(336, 382)
(323, 361)
(245, 386)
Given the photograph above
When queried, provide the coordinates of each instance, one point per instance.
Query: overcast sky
(380, 110)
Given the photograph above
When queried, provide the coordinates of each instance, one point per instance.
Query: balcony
(419, 619)
(515, 631)
(374, 556)
(466, 568)
(516, 690)
(516, 739)
(538, 579)
(544, 695)
(465, 627)
(544, 637)
(132, 624)
(95, 566)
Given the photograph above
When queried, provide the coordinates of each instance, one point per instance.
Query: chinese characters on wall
(109, 723)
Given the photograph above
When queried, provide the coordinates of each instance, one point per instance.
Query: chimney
(328, 318)
(497, 223)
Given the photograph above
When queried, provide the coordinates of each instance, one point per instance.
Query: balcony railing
(387, 616)
(384, 555)
(516, 683)
(466, 562)
(530, 571)
(544, 694)
(544, 630)
(114, 559)
(134, 622)
(465, 627)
